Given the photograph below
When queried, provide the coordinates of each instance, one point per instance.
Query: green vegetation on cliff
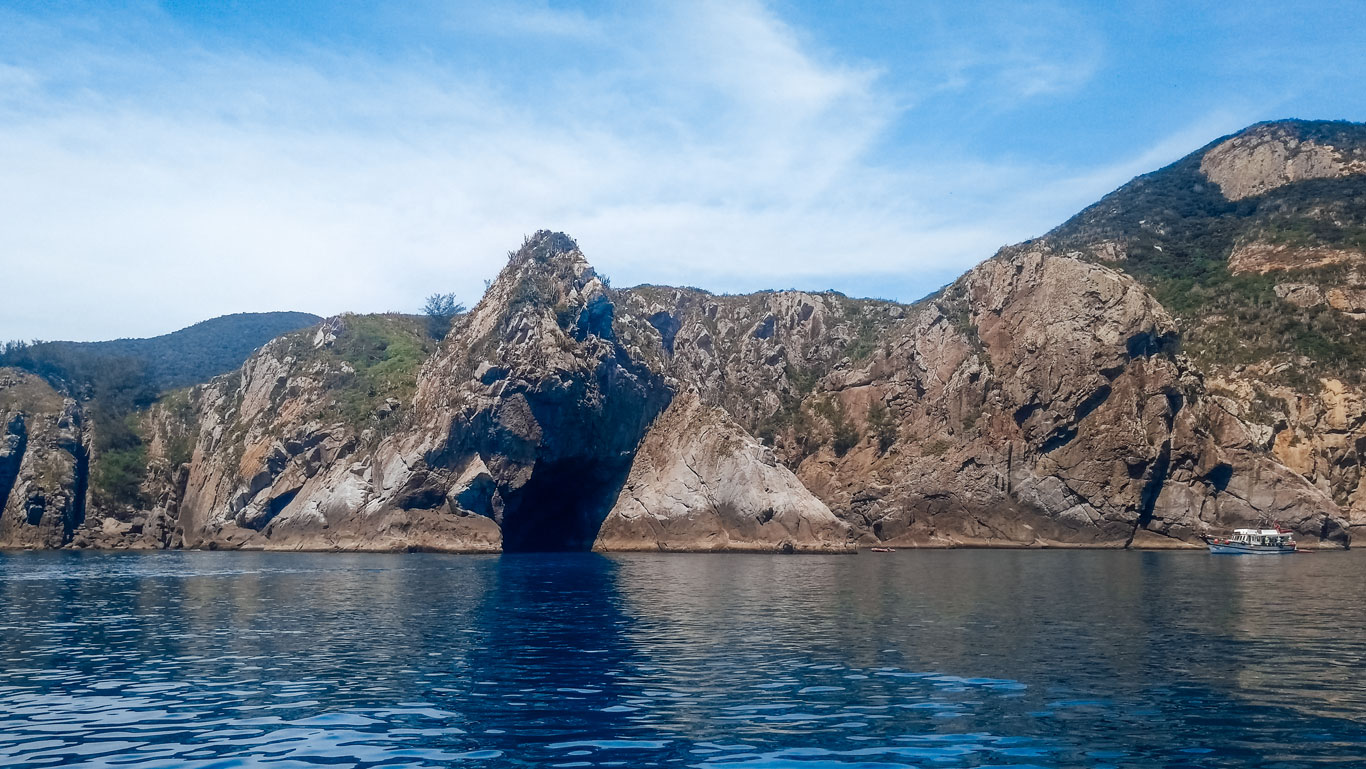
(386, 352)
(1175, 231)
(372, 359)
(119, 379)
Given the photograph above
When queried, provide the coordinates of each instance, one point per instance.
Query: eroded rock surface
(1262, 258)
(699, 482)
(517, 432)
(1272, 155)
(1040, 400)
(43, 463)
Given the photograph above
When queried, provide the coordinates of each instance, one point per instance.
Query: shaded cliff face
(532, 410)
(1257, 243)
(43, 463)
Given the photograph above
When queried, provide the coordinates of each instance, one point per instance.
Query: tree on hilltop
(441, 311)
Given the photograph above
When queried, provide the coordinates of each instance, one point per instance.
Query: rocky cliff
(43, 463)
(1167, 364)
(1039, 400)
(517, 432)
(1257, 243)
(699, 482)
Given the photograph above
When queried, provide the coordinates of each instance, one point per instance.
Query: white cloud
(718, 150)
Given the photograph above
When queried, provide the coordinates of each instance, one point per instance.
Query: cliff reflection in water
(947, 659)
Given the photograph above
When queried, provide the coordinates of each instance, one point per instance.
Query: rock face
(1272, 155)
(1262, 258)
(517, 433)
(1320, 435)
(533, 409)
(1046, 398)
(1037, 401)
(699, 482)
(43, 463)
(297, 452)
(1267, 269)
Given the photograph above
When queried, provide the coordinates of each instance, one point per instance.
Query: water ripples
(232, 660)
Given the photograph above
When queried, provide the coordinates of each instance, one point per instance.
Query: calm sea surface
(925, 659)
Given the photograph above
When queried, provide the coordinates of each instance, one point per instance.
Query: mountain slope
(1257, 243)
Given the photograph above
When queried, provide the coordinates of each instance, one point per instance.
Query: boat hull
(1234, 548)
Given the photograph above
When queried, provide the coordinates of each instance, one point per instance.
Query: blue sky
(161, 163)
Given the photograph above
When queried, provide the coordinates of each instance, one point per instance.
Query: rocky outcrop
(43, 463)
(532, 410)
(1272, 155)
(1039, 400)
(517, 432)
(296, 452)
(1265, 271)
(1321, 436)
(1261, 258)
(752, 355)
(699, 482)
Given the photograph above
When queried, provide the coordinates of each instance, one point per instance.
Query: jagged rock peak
(548, 269)
(545, 258)
(545, 245)
(547, 278)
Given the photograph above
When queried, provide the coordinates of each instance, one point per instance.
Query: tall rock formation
(1039, 400)
(517, 433)
(43, 463)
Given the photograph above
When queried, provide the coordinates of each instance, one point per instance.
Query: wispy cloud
(529, 19)
(1011, 53)
(151, 180)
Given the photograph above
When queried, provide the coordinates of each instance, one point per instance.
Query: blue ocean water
(912, 659)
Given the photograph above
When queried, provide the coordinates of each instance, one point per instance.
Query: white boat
(1275, 541)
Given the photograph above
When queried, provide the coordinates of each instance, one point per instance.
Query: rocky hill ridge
(561, 414)
(1043, 399)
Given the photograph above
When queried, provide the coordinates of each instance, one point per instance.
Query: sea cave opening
(563, 506)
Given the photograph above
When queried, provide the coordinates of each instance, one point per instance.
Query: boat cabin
(1261, 537)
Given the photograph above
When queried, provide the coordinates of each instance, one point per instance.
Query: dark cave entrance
(563, 506)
